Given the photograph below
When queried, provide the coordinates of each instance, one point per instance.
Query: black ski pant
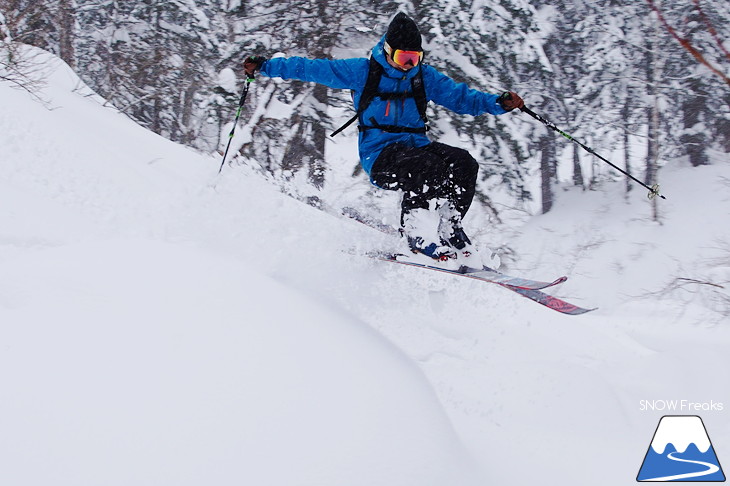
(435, 171)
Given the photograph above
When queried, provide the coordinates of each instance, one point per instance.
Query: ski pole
(653, 190)
(238, 114)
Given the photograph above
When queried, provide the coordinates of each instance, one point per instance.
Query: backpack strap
(347, 124)
(419, 94)
(391, 128)
(375, 72)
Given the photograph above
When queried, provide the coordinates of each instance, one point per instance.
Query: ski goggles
(404, 58)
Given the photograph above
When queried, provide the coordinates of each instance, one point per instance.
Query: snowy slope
(161, 324)
(143, 344)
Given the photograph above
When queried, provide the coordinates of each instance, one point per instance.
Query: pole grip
(530, 112)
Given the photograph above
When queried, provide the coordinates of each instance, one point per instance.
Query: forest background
(639, 81)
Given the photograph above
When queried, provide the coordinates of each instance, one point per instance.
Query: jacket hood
(391, 72)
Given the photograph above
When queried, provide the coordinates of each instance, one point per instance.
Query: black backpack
(418, 92)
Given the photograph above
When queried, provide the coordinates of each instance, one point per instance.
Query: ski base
(550, 302)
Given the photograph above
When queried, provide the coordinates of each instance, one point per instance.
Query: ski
(549, 301)
(530, 289)
(485, 273)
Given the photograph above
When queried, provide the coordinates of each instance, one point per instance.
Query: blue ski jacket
(352, 74)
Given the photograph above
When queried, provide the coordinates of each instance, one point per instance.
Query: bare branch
(711, 29)
(684, 42)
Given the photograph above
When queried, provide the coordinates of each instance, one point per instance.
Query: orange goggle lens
(404, 58)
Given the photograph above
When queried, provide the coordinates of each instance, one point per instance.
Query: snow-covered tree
(289, 136)
(17, 65)
(152, 60)
(486, 45)
(4, 31)
(605, 71)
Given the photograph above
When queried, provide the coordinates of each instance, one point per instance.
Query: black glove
(253, 64)
(511, 100)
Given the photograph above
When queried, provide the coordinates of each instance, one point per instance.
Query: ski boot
(452, 232)
(421, 229)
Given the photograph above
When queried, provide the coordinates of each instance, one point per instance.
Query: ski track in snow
(711, 469)
(161, 324)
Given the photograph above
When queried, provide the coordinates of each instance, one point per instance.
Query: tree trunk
(625, 113)
(694, 138)
(317, 165)
(654, 76)
(577, 169)
(66, 31)
(547, 171)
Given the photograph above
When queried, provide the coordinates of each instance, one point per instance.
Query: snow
(227, 80)
(188, 367)
(163, 324)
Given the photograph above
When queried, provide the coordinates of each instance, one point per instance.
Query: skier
(390, 93)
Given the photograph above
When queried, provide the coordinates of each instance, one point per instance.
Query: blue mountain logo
(681, 451)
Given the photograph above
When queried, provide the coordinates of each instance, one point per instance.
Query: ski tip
(579, 311)
(569, 309)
